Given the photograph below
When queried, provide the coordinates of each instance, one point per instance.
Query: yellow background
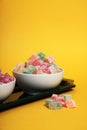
(57, 28)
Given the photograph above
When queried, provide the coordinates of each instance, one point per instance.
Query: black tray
(19, 97)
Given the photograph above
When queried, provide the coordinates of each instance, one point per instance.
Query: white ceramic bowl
(38, 82)
(6, 90)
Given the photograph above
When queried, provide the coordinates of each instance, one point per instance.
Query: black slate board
(19, 97)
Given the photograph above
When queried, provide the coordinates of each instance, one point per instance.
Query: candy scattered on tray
(57, 102)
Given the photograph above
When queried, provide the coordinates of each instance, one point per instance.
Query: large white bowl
(38, 82)
(6, 89)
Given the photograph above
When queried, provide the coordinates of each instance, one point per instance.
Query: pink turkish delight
(70, 103)
(49, 60)
(33, 58)
(5, 78)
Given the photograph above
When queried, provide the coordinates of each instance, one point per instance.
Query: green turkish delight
(30, 69)
(42, 56)
(67, 96)
(51, 104)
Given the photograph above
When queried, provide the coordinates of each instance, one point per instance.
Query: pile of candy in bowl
(39, 72)
(7, 85)
(38, 64)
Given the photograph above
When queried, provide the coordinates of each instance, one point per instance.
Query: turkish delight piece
(51, 104)
(29, 70)
(70, 103)
(67, 96)
(57, 98)
(49, 60)
(38, 62)
(52, 69)
(44, 69)
(42, 56)
(32, 59)
(60, 99)
(20, 67)
(54, 96)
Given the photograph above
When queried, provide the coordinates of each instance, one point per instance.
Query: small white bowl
(38, 82)
(6, 89)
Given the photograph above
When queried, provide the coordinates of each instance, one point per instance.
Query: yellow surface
(55, 27)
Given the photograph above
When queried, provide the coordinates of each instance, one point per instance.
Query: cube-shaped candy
(32, 59)
(42, 56)
(52, 69)
(67, 96)
(51, 104)
(57, 99)
(38, 62)
(38, 70)
(54, 96)
(48, 101)
(20, 67)
(44, 69)
(49, 60)
(60, 99)
(29, 70)
(55, 105)
(46, 64)
(70, 103)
